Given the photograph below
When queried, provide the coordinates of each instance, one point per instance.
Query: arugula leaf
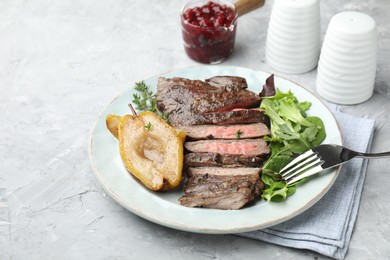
(289, 110)
(292, 132)
(276, 190)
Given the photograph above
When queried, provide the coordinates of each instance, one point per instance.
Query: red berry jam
(209, 30)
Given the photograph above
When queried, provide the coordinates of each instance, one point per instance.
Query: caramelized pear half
(151, 150)
(112, 123)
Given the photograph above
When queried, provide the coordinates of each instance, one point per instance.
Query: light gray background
(61, 62)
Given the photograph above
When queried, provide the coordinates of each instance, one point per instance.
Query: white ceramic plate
(164, 208)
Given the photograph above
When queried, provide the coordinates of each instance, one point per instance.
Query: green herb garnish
(145, 100)
(148, 126)
(292, 132)
(165, 116)
(238, 133)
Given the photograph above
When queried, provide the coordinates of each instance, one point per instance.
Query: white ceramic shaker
(347, 65)
(293, 37)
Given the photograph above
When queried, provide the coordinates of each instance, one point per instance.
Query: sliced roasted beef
(198, 132)
(209, 180)
(231, 172)
(221, 188)
(223, 171)
(188, 101)
(236, 116)
(249, 147)
(228, 82)
(221, 200)
(222, 160)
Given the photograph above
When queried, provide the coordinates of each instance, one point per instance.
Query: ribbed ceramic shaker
(293, 38)
(347, 65)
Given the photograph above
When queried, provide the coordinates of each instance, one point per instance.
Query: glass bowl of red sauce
(209, 30)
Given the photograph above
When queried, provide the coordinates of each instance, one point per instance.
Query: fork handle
(373, 155)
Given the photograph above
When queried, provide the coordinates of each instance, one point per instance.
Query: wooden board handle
(246, 6)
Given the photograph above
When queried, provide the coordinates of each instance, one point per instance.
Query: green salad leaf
(292, 132)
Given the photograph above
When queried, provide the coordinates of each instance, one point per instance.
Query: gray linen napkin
(327, 226)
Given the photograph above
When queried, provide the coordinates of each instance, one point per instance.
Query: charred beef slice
(188, 101)
(221, 188)
(235, 116)
(251, 147)
(198, 132)
(222, 160)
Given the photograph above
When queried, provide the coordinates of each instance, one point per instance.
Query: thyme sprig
(146, 100)
(148, 126)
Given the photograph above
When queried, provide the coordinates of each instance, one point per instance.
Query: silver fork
(321, 158)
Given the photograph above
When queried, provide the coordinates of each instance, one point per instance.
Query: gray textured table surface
(61, 62)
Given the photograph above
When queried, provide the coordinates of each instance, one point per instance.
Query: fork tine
(308, 173)
(306, 165)
(296, 162)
